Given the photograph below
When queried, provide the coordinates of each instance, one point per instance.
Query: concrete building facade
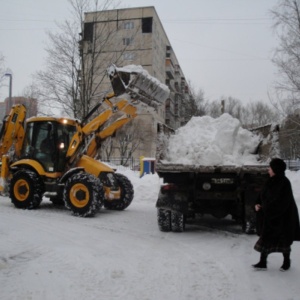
(139, 39)
(30, 104)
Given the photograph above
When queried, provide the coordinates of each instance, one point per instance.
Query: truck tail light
(169, 187)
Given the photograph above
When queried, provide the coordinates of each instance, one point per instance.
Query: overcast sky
(224, 47)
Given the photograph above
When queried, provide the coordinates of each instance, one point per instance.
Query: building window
(147, 25)
(88, 31)
(127, 41)
(128, 56)
(128, 25)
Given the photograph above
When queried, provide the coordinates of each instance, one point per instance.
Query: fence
(293, 165)
(132, 163)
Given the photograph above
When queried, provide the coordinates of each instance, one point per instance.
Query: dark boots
(286, 262)
(262, 264)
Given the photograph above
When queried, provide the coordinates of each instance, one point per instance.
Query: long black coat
(278, 219)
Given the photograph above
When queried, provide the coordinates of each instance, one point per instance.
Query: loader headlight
(206, 186)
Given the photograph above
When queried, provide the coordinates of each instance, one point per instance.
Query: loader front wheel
(26, 189)
(83, 194)
(127, 194)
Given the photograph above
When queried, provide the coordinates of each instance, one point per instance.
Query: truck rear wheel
(26, 189)
(164, 219)
(83, 194)
(177, 221)
(127, 194)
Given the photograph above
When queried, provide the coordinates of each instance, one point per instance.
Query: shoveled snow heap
(208, 141)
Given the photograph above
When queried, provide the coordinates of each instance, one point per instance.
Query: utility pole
(10, 86)
(222, 107)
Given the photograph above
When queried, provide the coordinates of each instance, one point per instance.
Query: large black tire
(26, 189)
(164, 219)
(127, 194)
(177, 221)
(83, 194)
(249, 226)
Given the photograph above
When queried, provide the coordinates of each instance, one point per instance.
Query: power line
(250, 57)
(228, 21)
(26, 20)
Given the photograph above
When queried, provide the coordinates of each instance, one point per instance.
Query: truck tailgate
(162, 167)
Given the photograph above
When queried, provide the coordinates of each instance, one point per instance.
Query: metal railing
(293, 165)
(132, 163)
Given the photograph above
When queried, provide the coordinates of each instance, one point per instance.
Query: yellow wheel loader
(57, 157)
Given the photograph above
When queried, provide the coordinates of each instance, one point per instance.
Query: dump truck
(221, 191)
(58, 157)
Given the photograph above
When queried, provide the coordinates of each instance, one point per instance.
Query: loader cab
(47, 141)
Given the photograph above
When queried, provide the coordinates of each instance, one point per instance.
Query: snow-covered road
(49, 254)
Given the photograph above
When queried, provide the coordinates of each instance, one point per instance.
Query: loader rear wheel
(127, 194)
(26, 189)
(164, 219)
(83, 194)
(177, 221)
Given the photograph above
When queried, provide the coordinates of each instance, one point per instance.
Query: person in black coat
(277, 217)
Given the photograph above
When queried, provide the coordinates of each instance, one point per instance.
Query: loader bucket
(139, 84)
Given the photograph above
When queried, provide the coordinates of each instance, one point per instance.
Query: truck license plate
(222, 180)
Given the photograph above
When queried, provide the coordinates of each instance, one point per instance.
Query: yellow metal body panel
(93, 166)
(12, 132)
(4, 172)
(37, 167)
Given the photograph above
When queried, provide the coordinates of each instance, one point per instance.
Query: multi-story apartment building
(135, 36)
(30, 103)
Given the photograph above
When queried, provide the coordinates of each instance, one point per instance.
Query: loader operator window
(44, 144)
(48, 142)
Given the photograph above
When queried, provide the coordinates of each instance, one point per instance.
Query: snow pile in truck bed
(208, 141)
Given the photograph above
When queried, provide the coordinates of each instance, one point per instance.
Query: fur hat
(278, 166)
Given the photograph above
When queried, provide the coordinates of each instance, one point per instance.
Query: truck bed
(166, 167)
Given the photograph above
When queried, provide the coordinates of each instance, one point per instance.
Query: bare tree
(286, 16)
(250, 115)
(259, 114)
(129, 138)
(108, 147)
(233, 107)
(214, 108)
(228, 105)
(197, 104)
(72, 76)
(289, 137)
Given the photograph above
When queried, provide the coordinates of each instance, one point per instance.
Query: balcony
(177, 87)
(170, 84)
(170, 69)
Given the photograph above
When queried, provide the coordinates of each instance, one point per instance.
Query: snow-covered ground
(51, 255)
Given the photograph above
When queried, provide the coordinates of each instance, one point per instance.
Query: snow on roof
(208, 141)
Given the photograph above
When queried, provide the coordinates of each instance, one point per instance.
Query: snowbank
(146, 188)
(208, 141)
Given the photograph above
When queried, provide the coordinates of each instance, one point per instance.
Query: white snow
(51, 255)
(208, 141)
(138, 69)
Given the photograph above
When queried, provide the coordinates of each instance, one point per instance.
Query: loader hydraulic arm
(11, 135)
(12, 131)
(89, 136)
(133, 88)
